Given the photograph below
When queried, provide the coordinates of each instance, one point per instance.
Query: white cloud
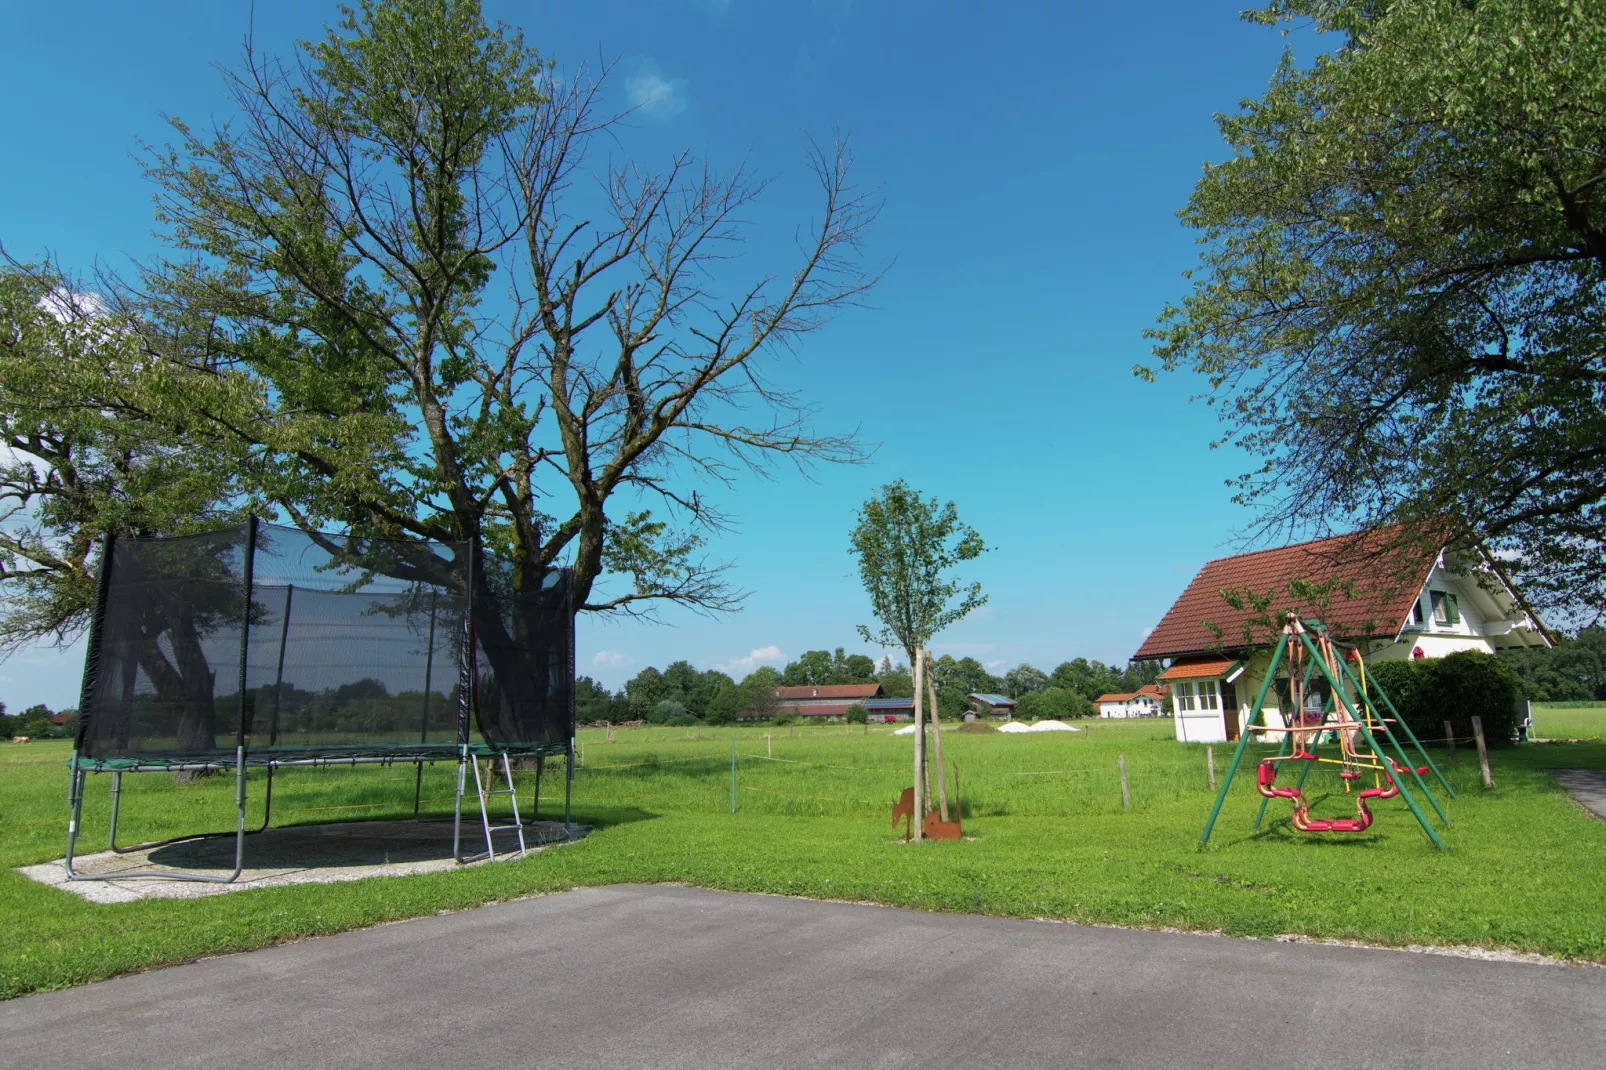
(995, 663)
(764, 655)
(653, 94)
(613, 659)
(1145, 634)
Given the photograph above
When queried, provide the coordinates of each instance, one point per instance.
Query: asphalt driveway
(631, 976)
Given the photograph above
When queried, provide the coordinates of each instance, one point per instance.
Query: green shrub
(1457, 688)
(857, 714)
(681, 720)
(782, 719)
(667, 711)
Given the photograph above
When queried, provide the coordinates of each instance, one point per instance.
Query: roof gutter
(1516, 595)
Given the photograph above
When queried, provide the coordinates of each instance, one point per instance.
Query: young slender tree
(435, 303)
(907, 547)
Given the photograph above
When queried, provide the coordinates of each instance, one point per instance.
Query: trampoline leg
(540, 767)
(117, 796)
(457, 811)
(267, 805)
(239, 819)
(75, 813)
(568, 787)
(418, 789)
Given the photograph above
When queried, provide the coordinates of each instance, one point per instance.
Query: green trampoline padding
(313, 755)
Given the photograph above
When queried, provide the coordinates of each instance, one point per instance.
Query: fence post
(1449, 733)
(1126, 800)
(1210, 764)
(769, 746)
(1483, 751)
(733, 772)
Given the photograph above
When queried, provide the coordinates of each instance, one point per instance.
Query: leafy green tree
(1023, 680)
(1090, 679)
(853, 669)
(1052, 702)
(724, 704)
(1400, 298)
(422, 322)
(592, 701)
(758, 691)
(895, 680)
(907, 546)
(857, 714)
(645, 690)
(1574, 670)
(813, 667)
(79, 456)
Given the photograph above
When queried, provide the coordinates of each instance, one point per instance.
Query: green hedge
(1456, 688)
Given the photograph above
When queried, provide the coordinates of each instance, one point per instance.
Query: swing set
(1348, 715)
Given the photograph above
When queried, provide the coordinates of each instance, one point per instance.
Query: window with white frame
(1184, 696)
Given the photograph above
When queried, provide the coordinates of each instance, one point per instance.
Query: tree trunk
(920, 750)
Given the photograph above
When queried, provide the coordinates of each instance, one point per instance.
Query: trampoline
(259, 646)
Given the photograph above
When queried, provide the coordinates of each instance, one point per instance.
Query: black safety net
(307, 646)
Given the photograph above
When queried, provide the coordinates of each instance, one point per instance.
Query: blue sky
(1031, 159)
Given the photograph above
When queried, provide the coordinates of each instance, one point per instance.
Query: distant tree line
(682, 694)
(35, 722)
(1573, 670)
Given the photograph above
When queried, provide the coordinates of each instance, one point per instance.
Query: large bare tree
(431, 307)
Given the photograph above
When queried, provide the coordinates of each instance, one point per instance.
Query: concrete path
(1588, 786)
(665, 977)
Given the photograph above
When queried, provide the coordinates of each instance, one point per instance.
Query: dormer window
(1445, 610)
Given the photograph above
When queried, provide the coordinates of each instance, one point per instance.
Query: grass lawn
(1050, 839)
(1571, 721)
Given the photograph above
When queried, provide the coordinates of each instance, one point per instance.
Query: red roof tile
(1378, 576)
(1195, 668)
(1123, 697)
(1151, 691)
(827, 691)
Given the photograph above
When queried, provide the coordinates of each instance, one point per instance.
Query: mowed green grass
(1570, 722)
(1047, 837)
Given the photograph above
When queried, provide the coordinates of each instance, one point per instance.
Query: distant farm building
(826, 700)
(988, 704)
(1146, 701)
(890, 709)
(1393, 598)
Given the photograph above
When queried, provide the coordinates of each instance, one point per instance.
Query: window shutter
(1452, 612)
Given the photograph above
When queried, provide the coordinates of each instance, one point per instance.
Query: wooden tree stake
(936, 737)
(1449, 734)
(1126, 800)
(1210, 764)
(1483, 751)
(769, 746)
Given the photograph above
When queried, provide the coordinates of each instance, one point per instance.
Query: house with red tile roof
(1146, 701)
(1396, 596)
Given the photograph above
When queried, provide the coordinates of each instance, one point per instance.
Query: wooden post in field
(936, 737)
(1210, 764)
(610, 732)
(1483, 751)
(582, 755)
(769, 746)
(1449, 734)
(920, 750)
(1126, 800)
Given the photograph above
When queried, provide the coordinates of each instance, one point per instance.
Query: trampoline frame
(462, 751)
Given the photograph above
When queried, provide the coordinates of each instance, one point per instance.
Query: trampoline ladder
(485, 792)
